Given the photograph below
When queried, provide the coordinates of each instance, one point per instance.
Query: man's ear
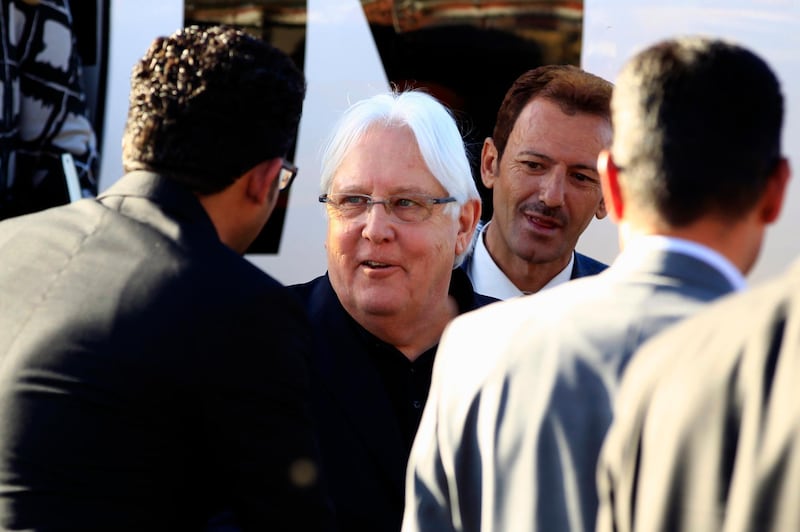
(262, 180)
(775, 192)
(612, 202)
(601, 211)
(467, 222)
(489, 163)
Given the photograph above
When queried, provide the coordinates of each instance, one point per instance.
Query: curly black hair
(207, 104)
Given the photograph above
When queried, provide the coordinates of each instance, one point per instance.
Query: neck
(236, 219)
(218, 209)
(527, 276)
(413, 333)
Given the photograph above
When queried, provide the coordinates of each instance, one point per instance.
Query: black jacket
(150, 375)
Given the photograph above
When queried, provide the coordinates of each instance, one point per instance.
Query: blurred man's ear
(775, 192)
(601, 211)
(609, 181)
(263, 180)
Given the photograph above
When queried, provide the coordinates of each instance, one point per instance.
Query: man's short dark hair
(208, 104)
(573, 89)
(697, 128)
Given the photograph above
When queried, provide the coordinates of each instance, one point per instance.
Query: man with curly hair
(150, 376)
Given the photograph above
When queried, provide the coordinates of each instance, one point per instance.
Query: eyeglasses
(286, 174)
(408, 208)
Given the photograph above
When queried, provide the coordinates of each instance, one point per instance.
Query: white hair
(433, 126)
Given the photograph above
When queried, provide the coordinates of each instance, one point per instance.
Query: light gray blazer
(522, 392)
(708, 436)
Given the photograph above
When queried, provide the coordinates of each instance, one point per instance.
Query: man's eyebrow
(397, 191)
(592, 167)
(536, 154)
(580, 166)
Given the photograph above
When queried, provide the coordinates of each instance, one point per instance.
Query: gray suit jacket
(727, 455)
(522, 393)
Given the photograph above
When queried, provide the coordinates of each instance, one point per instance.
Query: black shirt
(367, 400)
(407, 383)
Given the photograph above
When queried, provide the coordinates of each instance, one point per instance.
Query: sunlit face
(546, 187)
(379, 266)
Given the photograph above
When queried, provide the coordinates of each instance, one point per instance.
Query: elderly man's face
(377, 264)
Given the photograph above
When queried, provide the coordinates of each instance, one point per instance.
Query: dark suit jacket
(363, 450)
(149, 375)
(585, 266)
(708, 436)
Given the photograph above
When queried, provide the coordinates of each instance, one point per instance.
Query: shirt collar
(648, 243)
(563, 276)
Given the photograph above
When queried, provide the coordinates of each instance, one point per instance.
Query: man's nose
(551, 191)
(378, 224)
